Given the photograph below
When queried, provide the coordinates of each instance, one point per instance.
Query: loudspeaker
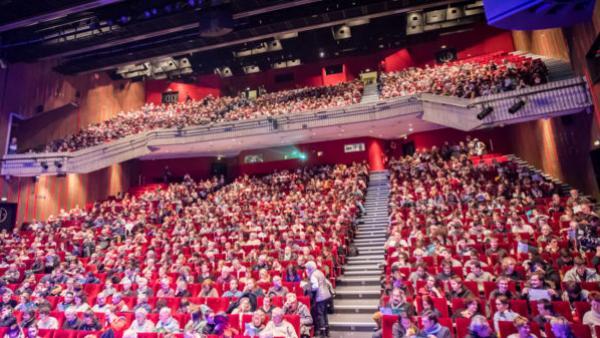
(8, 216)
(408, 148)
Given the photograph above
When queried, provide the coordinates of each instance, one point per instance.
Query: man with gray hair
(293, 307)
(278, 327)
(321, 296)
(141, 323)
(166, 322)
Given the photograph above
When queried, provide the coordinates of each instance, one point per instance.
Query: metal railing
(561, 97)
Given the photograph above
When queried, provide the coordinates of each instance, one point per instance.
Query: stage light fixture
(485, 112)
(44, 165)
(516, 106)
(58, 164)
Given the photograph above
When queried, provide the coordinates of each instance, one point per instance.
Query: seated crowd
(191, 258)
(482, 247)
(466, 79)
(207, 110)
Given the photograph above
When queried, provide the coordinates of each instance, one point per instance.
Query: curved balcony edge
(552, 99)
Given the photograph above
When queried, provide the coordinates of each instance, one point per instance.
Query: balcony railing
(552, 99)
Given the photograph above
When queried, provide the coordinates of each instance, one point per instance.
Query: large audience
(209, 110)
(466, 79)
(469, 78)
(189, 258)
(483, 246)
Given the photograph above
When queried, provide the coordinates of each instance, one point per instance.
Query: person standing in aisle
(320, 296)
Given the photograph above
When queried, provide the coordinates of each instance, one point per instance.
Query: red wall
(152, 170)
(478, 41)
(333, 79)
(332, 153)
(497, 139)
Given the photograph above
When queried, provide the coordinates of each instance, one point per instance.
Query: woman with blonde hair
(523, 329)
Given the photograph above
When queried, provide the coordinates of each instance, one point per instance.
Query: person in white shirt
(141, 323)
(278, 327)
(45, 321)
(503, 312)
(592, 317)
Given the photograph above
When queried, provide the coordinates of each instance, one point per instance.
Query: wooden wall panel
(549, 42)
(561, 146)
(50, 194)
(31, 85)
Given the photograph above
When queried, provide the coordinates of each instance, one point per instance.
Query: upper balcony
(383, 118)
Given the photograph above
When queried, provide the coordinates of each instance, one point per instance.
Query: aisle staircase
(358, 289)
(370, 93)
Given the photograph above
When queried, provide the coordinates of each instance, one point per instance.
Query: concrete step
(382, 223)
(363, 267)
(367, 246)
(375, 237)
(380, 240)
(358, 292)
(375, 221)
(350, 334)
(378, 262)
(362, 257)
(374, 229)
(350, 322)
(356, 305)
(359, 273)
(358, 281)
(372, 234)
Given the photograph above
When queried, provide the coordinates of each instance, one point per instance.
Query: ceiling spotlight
(485, 112)
(3, 199)
(410, 130)
(321, 54)
(516, 106)
(58, 164)
(597, 143)
(44, 165)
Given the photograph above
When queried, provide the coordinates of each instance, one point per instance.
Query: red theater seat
(581, 308)
(64, 333)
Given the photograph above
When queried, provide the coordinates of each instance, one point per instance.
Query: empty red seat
(581, 308)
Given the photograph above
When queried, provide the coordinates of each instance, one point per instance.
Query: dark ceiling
(103, 34)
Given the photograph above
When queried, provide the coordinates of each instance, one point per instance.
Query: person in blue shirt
(234, 291)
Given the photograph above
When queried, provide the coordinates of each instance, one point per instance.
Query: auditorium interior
(299, 168)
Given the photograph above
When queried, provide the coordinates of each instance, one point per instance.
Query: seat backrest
(387, 323)
(147, 335)
(506, 328)
(43, 333)
(65, 333)
(563, 308)
(462, 326)
(519, 306)
(581, 308)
